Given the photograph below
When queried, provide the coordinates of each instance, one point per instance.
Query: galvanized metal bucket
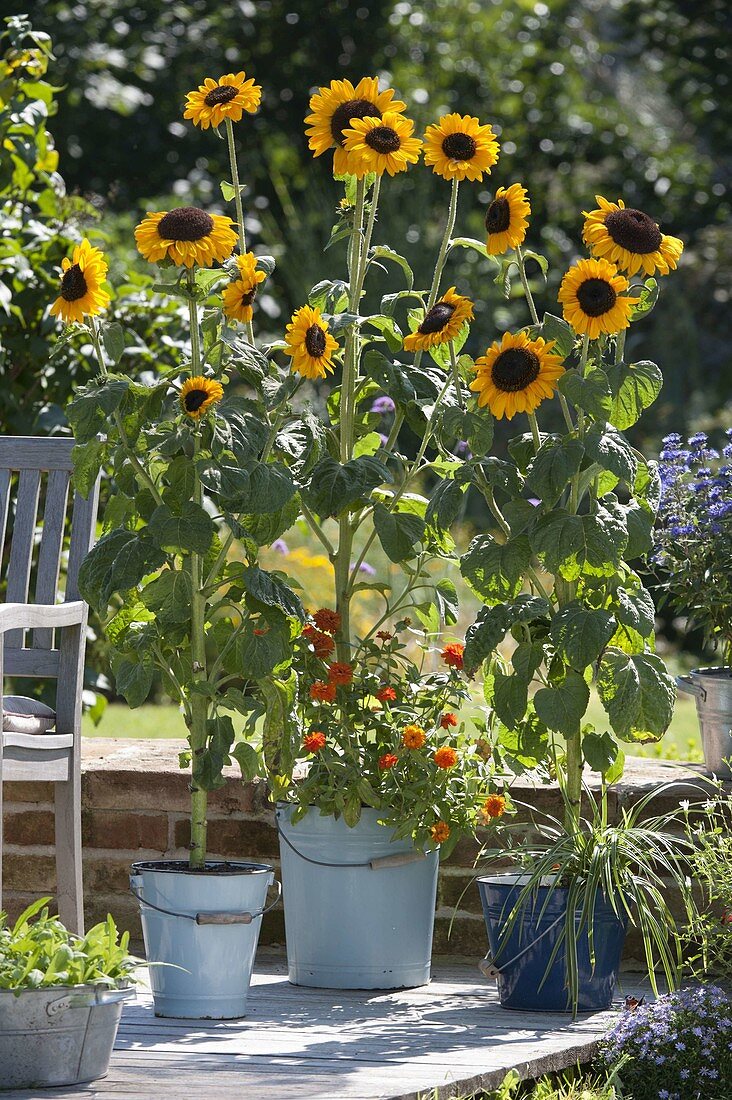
(359, 907)
(712, 689)
(58, 1036)
(203, 927)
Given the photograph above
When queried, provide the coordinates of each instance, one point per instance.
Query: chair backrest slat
(4, 505)
(49, 554)
(21, 548)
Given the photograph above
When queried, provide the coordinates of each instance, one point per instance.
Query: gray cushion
(23, 715)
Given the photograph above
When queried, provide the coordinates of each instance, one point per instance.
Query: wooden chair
(40, 637)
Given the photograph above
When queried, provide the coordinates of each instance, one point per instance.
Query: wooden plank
(21, 549)
(4, 505)
(49, 554)
(32, 662)
(29, 452)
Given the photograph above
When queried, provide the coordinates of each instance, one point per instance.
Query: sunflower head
(310, 344)
(216, 100)
(441, 323)
(459, 147)
(594, 300)
(381, 145)
(630, 239)
(241, 292)
(81, 294)
(333, 109)
(516, 375)
(186, 236)
(507, 219)
(198, 394)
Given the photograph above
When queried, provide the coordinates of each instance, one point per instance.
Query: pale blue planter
(196, 924)
(355, 927)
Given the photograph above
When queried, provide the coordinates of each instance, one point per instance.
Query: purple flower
(383, 405)
(280, 546)
(364, 567)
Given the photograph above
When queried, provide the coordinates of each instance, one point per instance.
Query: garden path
(447, 1039)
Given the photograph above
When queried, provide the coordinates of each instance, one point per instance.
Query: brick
(468, 937)
(127, 830)
(35, 793)
(233, 838)
(29, 872)
(29, 827)
(104, 874)
(459, 891)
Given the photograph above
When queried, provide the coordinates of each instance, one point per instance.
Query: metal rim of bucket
(228, 869)
(211, 868)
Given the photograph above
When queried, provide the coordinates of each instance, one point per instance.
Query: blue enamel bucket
(521, 956)
(359, 907)
(203, 927)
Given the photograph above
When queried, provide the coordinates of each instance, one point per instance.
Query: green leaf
(169, 596)
(389, 329)
(526, 658)
(247, 758)
(610, 450)
(557, 329)
(190, 529)
(334, 487)
(330, 295)
(88, 459)
(474, 428)
(555, 464)
(270, 489)
(228, 191)
(562, 706)
(473, 244)
(445, 504)
(113, 337)
(231, 483)
(440, 353)
(266, 528)
(635, 387)
(262, 648)
(633, 607)
(495, 571)
(117, 563)
(481, 639)
(280, 723)
(581, 634)
(133, 675)
(399, 532)
(637, 693)
(510, 697)
(90, 411)
(390, 376)
(271, 590)
(383, 252)
(591, 393)
(208, 766)
(448, 603)
(603, 754)
(647, 299)
(639, 522)
(575, 545)
(538, 259)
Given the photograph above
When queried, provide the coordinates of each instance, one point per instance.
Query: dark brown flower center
(437, 318)
(383, 139)
(248, 297)
(634, 230)
(459, 147)
(596, 296)
(194, 399)
(187, 223)
(223, 94)
(315, 341)
(515, 369)
(73, 284)
(498, 216)
(354, 108)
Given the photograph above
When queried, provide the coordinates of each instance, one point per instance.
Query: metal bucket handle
(491, 971)
(88, 999)
(378, 863)
(136, 883)
(685, 683)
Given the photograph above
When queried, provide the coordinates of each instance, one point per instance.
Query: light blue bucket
(203, 926)
(359, 907)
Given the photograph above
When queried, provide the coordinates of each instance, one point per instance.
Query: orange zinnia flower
(327, 620)
(413, 737)
(322, 692)
(448, 720)
(446, 757)
(314, 741)
(340, 674)
(452, 655)
(322, 643)
(388, 760)
(386, 694)
(440, 831)
(494, 806)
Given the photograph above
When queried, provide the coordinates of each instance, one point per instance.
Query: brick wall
(135, 806)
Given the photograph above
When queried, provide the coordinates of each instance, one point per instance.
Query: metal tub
(712, 689)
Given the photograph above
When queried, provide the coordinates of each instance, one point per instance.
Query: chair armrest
(28, 616)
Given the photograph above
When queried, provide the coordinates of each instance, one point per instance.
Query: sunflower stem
(525, 284)
(198, 701)
(456, 375)
(534, 430)
(238, 203)
(442, 254)
(619, 346)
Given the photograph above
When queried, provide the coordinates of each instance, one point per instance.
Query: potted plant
(60, 999)
(693, 555)
(572, 508)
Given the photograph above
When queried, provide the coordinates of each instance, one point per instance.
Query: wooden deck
(447, 1039)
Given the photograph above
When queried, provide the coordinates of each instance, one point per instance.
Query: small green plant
(573, 1084)
(38, 951)
(710, 933)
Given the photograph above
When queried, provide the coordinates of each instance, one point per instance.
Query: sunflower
(81, 293)
(228, 97)
(442, 323)
(239, 294)
(516, 375)
(381, 145)
(506, 219)
(198, 394)
(186, 236)
(592, 301)
(459, 147)
(629, 239)
(310, 344)
(334, 108)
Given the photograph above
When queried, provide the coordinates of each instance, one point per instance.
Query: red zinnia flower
(384, 635)
(452, 655)
(448, 720)
(388, 760)
(340, 673)
(386, 694)
(446, 757)
(322, 643)
(322, 692)
(327, 620)
(314, 741)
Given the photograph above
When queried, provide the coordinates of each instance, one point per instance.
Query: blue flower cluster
(676, 1048)
(695, 499)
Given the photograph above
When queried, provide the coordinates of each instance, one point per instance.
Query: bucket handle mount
(685, 683)
(204, 918)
